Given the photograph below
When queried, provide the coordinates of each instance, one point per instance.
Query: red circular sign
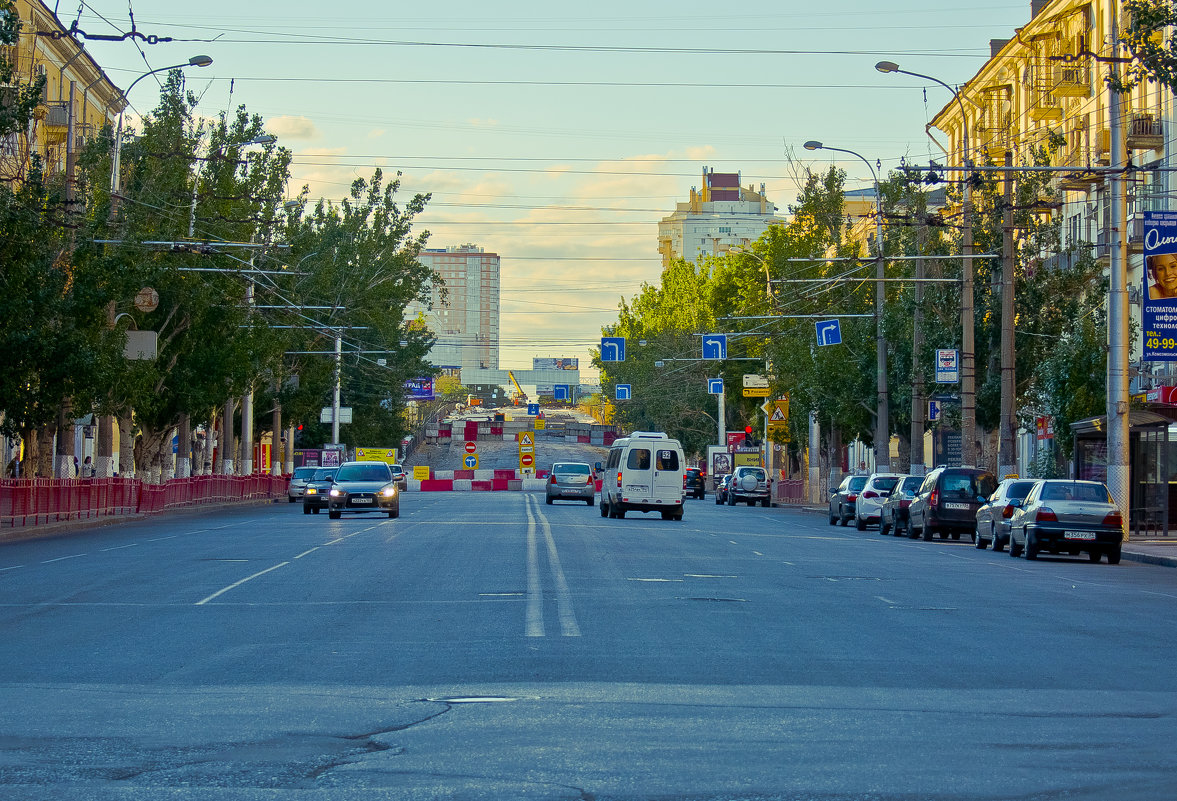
(471, 447)
(526, 459)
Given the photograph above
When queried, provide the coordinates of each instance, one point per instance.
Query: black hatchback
(693, 482)
(948, 500)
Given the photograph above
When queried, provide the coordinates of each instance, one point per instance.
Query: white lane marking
(758, 553)
(120, 547)
(887, 601)
(500, 595)
(705, 575)
(14, 567)
(568, 625)
(161, 539)
(62, 558)
(535, 612)
(239, 583)
(657, 580)
(304, 553)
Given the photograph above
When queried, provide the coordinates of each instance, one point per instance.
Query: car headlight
(388, 492)
(312, 491)
(336, 493)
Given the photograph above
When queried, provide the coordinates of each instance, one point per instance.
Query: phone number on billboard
(1156, 343)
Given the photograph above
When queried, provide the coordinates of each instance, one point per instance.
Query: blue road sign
(533, 409)
(470, 461)
(560, 392)
(715, 346)
(714, 386)
(934, 411)
(612, 349)
(829, 332)
(624, 392)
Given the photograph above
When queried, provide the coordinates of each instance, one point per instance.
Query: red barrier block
(463, 474)
(504, 474)
(437, 485)
(482, 486)
(501, 484)
(584, 440)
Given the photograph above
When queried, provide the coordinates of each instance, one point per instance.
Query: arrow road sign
(612, 349)
(829, 332)
(934, 411)
(715, 346)
(714, 386)
(624, 392)
(470, 461)
(560, 392)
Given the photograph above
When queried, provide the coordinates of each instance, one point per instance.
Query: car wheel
(604, 508)
(766, 502)
(666, 514)
(719, 502)
(1094, 556)
(589, 501)
(998, 542)
(306, 510)
(334, 515)
(1015, 547)
(833, 519)
(927, 532)
(956, 535)
(859, 523)
(394, 513)
(1114, 556)
(1031, 548)
(884, 526)
(978, 540)
(290, 499)
(731, 499)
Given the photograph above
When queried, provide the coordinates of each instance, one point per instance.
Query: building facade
(722, 216)
(464, 314)
(78, 99)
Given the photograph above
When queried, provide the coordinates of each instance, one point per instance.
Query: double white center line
(535, 593)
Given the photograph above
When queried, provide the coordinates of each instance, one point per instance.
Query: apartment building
(724, 215)
(464, 314)
(78, 98)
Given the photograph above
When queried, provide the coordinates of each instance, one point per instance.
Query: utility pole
(1118, 475)
(1007, 458)
(335, 392)
(918, 399)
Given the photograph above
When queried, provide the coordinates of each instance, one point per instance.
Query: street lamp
(195, 61)
(882, 421)
(764, 264)
(968, 379)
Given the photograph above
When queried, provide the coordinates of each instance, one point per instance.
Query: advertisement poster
(419, 389)
(554, 364)
(1159, 293)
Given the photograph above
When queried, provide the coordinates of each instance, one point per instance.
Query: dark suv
(948, 500)
(693, 482)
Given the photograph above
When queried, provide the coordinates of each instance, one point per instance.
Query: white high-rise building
(723, 216)
(465, 312)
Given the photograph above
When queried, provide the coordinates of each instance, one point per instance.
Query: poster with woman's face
(721, 464)
(1159, 294)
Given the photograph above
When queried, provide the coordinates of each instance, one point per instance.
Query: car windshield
(1019, 489)
(857, 483)
(1073, 491)
(968, 485)
(886, 484)
(304, 473)
(911, 485)
(324, 474)
(363, 472)
(576, 469)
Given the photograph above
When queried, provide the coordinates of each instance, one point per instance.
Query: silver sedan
(571, 481)
(993, 518)
(1069, 517)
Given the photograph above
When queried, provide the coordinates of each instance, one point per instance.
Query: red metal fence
(791, 490)
(36, 501)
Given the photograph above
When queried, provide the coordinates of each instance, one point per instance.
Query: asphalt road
(488, 646)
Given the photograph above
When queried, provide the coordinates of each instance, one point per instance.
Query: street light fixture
(195, 61)
(882, 419)
(764, 263)
(968, 373)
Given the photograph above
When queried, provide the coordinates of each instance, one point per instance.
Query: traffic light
(298, 435)
(749, 440)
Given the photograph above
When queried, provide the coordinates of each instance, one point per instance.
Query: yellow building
(78, 95)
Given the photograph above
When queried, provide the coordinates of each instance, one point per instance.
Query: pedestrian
(87, 468)
(77, 470)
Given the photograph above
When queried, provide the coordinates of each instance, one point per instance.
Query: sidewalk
(1161, 552)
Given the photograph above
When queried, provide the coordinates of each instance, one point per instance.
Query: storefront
(1152, 457)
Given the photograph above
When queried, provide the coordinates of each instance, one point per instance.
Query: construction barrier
(38, 501)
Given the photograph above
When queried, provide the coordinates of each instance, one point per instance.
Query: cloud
(288, 127)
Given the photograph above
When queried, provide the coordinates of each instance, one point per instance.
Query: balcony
(1072, 80)
(1143, 132)
(1136, 234)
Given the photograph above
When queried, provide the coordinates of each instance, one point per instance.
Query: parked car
(571, 481)
(363, 487)
(315, 494)
(298, 482)
(721, 488)
(843, 498)
(869, 504)
(948, 501)
(994, 516)
(694, 482)
(893, 515)
(398, 474)
(1073, 517)
(750, 485)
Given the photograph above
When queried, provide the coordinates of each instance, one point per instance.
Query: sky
(558, 135)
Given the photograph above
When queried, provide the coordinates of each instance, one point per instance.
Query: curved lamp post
(882, 419)
(968, 385)
(764, 264)
(195, 61)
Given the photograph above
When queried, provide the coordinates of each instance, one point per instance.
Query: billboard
(386, 455)
(555, 364)
(1159, 293)
(419, 389)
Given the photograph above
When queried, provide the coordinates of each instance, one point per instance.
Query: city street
(489, 646)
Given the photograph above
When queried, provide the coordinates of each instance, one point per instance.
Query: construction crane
(520, 397)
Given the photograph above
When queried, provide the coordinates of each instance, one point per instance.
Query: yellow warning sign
(777, 416)
(526, 438)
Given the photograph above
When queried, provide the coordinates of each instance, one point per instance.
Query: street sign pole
(722, 421)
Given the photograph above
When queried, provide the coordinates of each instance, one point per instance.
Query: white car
(869, 505)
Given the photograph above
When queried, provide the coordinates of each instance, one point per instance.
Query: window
(639, 459)
(667, 460)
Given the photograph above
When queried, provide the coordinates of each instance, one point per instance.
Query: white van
(644, 474)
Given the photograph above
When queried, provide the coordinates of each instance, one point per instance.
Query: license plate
(1079, 535)
(361, 500)
(956, 506)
